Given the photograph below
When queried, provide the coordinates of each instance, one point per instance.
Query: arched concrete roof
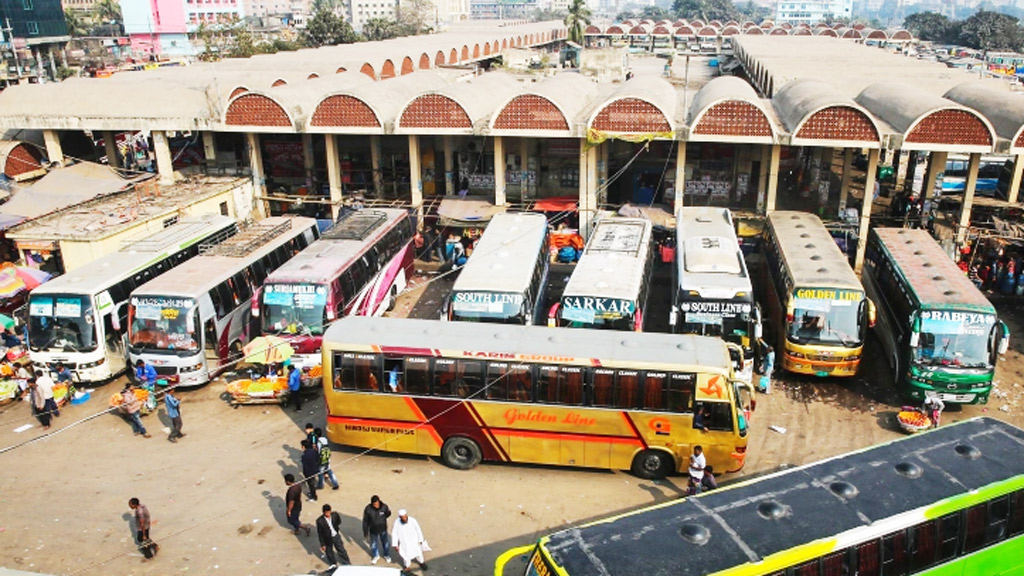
(661, 31)
(19, 158)
(639, 30)
(825, 32)
(1005, 110)
(361, 105)
(644, 105)
(816, 114)
(707, 32)
(567, 95)
(731, 30)
(592, 31)
(684, 31)
(801, 31)
(456, 108)
(258, 111)
(927, 121)
(617, 29)
(727, 109)
(754, 30)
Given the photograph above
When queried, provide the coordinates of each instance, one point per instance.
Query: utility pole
(14, 49)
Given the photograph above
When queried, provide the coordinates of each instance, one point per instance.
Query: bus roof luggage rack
(246, 241)
(175, 234)
(615, 235)
(356, 225)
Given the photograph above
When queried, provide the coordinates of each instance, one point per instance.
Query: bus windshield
(729, 321)
(161, 323)
(598, 313)
(496, 307)
(827, 317)
(61, 322)
(294, 309)
(954, 339)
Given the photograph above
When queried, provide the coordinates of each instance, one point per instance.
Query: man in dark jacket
(328, 528)
(375, 528)
(310, 467)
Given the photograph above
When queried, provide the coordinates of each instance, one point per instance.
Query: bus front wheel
(461, 453)
(652, 465)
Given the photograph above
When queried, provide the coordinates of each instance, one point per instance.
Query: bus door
(115, 350)
(713, 409)
(211, 337)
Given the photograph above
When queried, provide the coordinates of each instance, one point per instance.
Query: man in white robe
(407, 539)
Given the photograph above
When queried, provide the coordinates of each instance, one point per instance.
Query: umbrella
(31, 276)
(267, 350)
(10, 283)
(6, 322)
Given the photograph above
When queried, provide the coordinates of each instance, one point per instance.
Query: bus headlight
(853, 357)
(797, 355)
(88, 365)
(192, 368)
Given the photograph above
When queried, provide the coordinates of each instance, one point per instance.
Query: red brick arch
(476, 51)
(278, 82)
(238, 91)
(367, 69)
(487, 49)
(407, 66)
(387, 69)
(434, 111)
(1019, 142)
(733, 118)
(342, 110)
(951, 127)
(631, 115)
(312, 76)
(255, 110)
(530, 112)
(340, 70)
(839, 123)
(425, 61)
(21, 159)
(453, 57)
(465, 53)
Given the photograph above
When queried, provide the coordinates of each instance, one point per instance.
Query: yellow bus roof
(810, 252)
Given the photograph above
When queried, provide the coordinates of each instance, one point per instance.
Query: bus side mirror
(758, 330)
(673, 316)
(254, 302)
(115, 316)
(872, 314)
(915, 332)
(553, 315)
(1004, 338)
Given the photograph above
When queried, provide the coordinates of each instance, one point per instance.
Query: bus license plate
(956, 397)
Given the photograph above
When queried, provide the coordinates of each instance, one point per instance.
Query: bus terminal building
(433, 116)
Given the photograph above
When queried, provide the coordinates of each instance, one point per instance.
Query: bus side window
(394, 380)
(547, 384)
(998, 516)
(497, 381)
(367, 377)
(836, 564)
(719, 416)
(681, 388)
(868, 557)
(1016, 525)
(602, 387)
(894, 554)
(654, 397)
(924, 545)
(658, 381)
(210, 331)
(259, 272)
(627, 389)
(571, 384)
(949, 536)
(469, 383)
(417, 375)
(520, 383)
(344, 371)
(444, 377)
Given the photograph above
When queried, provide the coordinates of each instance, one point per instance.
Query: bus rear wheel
(461, 453)
(652, 465)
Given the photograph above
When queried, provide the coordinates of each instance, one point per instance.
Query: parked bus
(713, 292)
(593, 398)
(193, 323)
(358, 266)
(71, 318)
(990, 169)
(939, 332)
(504, 279)
(948, 501)
(817, 309)
(609, 286)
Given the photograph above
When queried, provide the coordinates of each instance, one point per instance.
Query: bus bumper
(966, 395)
(819, 368)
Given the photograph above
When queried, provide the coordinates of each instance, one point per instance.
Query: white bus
(505, 277)
(71, 318)
(608, 289)
(359, 266)
(193, 323)
(714, 294)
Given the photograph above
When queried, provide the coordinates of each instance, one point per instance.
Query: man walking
(325, 465)
(310, 467)
(173, 404)
(294, 385)
(293, 503)
(130, 407)
(375, 529)
(328, 529)
(142, 522)
(46, 387)
(408, 541)
(697, 464)
(35, 396)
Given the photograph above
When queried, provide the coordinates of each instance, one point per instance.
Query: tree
(930, 26)
(326, 29)
(414, 17)
(108, 11)
(380, 29)
(76, 24)
(577, 20)
(991, 31)
(707, 10)
(656, 13)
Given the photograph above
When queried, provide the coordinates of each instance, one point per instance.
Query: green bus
(948, 501)
(939, 332)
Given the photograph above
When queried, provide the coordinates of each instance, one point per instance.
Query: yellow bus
(468, 391)
(817, 310)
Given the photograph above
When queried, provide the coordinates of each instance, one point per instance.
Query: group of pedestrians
(131, 406)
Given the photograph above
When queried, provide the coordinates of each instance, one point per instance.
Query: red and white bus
(357, 267)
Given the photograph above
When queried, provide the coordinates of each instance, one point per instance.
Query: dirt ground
(216, 496)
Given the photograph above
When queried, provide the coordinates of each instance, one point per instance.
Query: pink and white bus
(357, 267)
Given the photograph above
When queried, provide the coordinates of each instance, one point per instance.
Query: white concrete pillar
(678, 200)
(415, 172)
(333, 173)
(110, 149)
(936, 166)
(164, 162)
(1018, 169)
(499, 171)
(210, 146)
(773, 178)
(844, 186)
(449, 165)
(54, 152)
(969, 187)
(588, 190)
(865, 210)
(762, 178)
(378, 183)
(307, 155)
(259, 182)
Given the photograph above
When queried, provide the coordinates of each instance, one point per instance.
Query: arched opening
(476, 51)
(425, 61)
(387, 70)
(312, 76)
(278, 82)
(407, 67)
(453, 58)
(255, 110)
(340, 70)
(465, 53)
(367, 69)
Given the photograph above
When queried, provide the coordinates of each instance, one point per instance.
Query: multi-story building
(812, 11)
(156, 27)
(212, 12)
(288, 12)
(34, 31)
(361, 11)
(501, 9)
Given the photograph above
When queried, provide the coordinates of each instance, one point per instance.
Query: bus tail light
(741, 449)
